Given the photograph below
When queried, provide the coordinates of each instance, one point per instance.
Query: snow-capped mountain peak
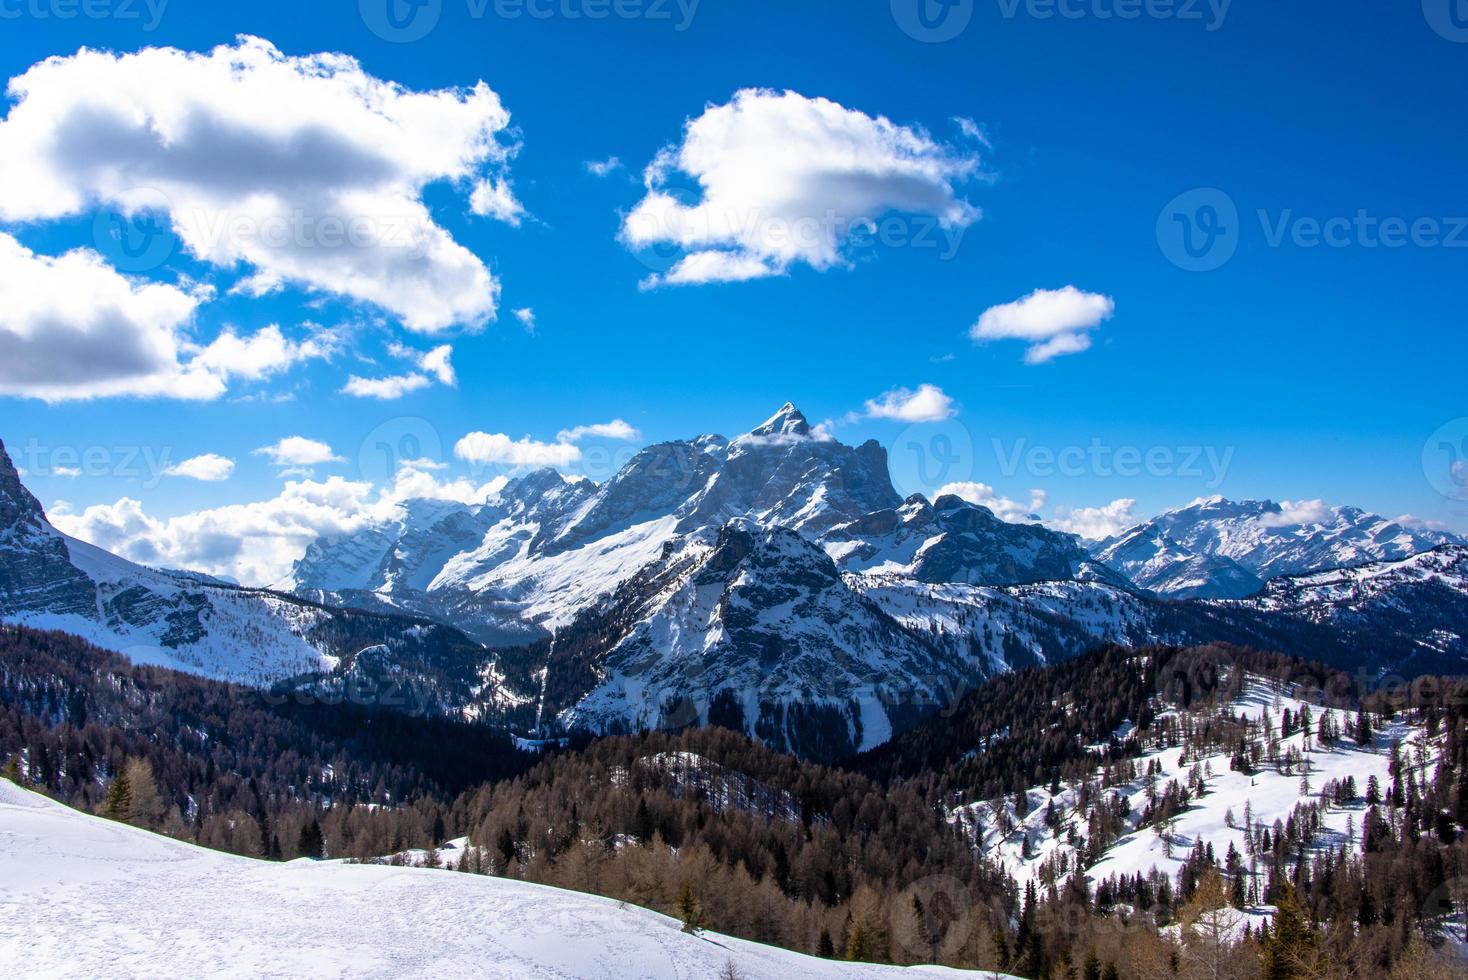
(787, 421)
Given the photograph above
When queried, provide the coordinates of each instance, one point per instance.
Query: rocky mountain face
(36, 573)
(774, 582)
(1223, 549)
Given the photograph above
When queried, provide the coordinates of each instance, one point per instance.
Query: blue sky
(1311, 370)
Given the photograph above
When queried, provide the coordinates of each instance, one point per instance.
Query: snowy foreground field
(85, 897)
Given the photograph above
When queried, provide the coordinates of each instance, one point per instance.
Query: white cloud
(1095, 523)
(1423, 523)
(435, 362)
(784, 179)
(526, 316)
(927, 404)
(71, 327)
(494, 198)
(298, 451)
(210, 468)
(972, 130)
(304, 170)
(258, 542)
(496, 447)
(263, 353)
(615, 429)
(603, 168)
(1294, 512)
(1004, 508)
(697, 268)
(1054, 321)
(384, 389)
(69, 472)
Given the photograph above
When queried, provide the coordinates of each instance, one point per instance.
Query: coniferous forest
(865, 860)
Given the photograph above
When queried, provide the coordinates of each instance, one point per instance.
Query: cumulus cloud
(785, 179)
(384, 389)
(603, 168)
(71, 327)
(436, 362)
(927, 404)
(526, 316)
(1003, 507)
(299, 451)
(210, 468)
(263, 353)
(615, 429)
(1054, 321)
(432, 364)
(68, 472)
(1296, 512)
(494, 198)
(496, 447)
(257, 543)
(303, 170)
(1095, 523)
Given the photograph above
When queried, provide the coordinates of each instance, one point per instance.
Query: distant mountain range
(1222, 549)
(775, 582)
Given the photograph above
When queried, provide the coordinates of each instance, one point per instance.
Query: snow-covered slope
(85, 897)
(1052, 837)
(1224, 549)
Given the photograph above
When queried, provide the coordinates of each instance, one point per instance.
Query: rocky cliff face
(36, 573)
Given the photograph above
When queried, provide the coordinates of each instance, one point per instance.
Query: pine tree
(1290, 940)
(1363, 728)
(826, 949)
(1092, 968)
(119, 805)
(310, 844)
(688, 911)
(12, 770)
